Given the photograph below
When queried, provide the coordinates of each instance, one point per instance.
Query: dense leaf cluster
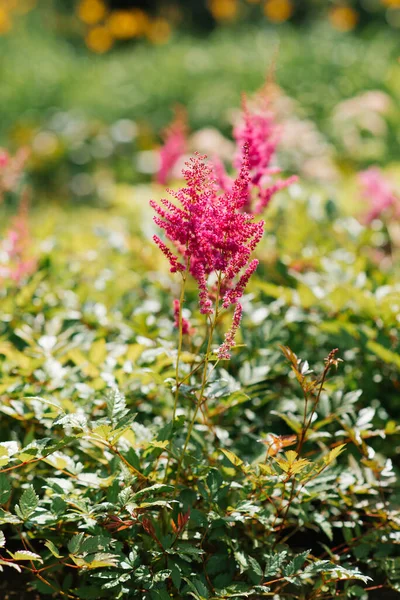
(287, 488)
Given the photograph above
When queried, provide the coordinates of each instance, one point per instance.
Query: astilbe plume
(229, 342)
(211, 233)
(175, 146)
(11, 170)
(258, 132)
(16, 263)
(186, 328)
(378, 191)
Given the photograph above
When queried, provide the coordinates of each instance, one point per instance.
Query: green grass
(314, 65)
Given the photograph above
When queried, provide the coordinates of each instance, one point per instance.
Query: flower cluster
(186, 328)
(212, 235)
(11, 170)
(15, 260)
(258, 133)
(229, 342)
(379, 193)
(175, 146)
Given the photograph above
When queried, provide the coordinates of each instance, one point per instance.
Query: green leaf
(94, 543)
(274, 562)
(116, 405)
(255, 566)
(296, 564)
(10, 564)
(27, 504)
(235, 460)
(197, 588)
(98, 561)
(334, 453)
(4, 456)
(25, 555)
(157, 488)
(388, 356)
(5, 488)
(53, 549)
(75, 543)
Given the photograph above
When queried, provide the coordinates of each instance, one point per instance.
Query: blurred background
(89, 85)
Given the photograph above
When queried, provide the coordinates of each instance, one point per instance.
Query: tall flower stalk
(210, 238)
(258, 132)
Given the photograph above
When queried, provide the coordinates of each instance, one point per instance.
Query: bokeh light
(343, 18)
(278, 11)
(99, 39)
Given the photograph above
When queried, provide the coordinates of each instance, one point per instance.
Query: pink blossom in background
(186, 329)
(11, 169)
(378, 191)
(4, 158)
(16, 261)
(210, 232)
(175, 146)
(258, 132)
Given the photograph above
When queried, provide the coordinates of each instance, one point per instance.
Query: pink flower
(11, 170)
(175, 146)
(211, 232)
(224, 349)
(4, 158)
(16, 249)
(378, 191)
(186, 329)
(258, 133)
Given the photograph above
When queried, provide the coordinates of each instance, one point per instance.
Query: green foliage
(287, 486)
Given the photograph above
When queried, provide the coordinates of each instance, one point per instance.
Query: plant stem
(203, 381)
(178, 358)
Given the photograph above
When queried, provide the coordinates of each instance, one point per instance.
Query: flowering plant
(256, 134)
(15, 259)
(213, 240)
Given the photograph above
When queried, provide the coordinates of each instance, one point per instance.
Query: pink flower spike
(257, 138)
(173, 260)
(186, 329)
(378, 191)
(4, 158)
(224, 349)
(210, 231)
(175, 146)
(233, 295)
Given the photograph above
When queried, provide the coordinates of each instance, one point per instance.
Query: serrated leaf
(75, 543)
(334, 453)
(157, 488)
(4, 456)
(255, 566)
(296, 564)
(53, 549)
(235, 460)
(10, 564)
(94, 543)
(5, 488)
(116, 405)
(27, 504)
(274, 562)
(99, 560)
(98, 352)
(2, 540)
(103, 432)
(25, 555)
